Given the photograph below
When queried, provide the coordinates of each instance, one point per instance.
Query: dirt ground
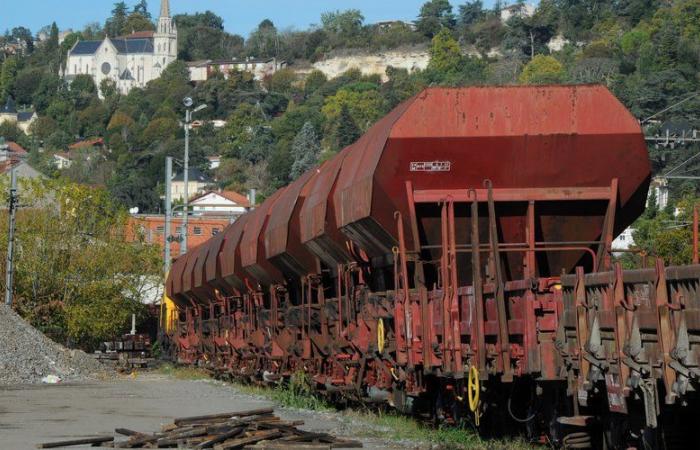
(33, 414)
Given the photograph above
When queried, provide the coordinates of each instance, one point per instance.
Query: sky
(240, 16)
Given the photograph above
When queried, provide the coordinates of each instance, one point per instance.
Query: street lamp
(188, 119)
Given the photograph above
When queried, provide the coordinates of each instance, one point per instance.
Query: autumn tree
(84, 286)
(542, 70)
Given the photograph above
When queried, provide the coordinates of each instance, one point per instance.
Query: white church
(130, 61)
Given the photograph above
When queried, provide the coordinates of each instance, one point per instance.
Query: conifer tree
(305, 151)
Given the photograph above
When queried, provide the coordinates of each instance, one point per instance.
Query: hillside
(647, 52)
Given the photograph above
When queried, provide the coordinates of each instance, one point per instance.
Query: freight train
(456, 263)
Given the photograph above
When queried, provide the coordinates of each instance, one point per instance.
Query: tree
(84, 286)
(115, 24)
(142, 8)
(435, 15)
(542, 70)
(159, 129)
(346, 132)
(26, 83)
(22, 34)
(313, 81)
(8, 75)
(471, 12)
(345, 27)
(305, 151)
(108, 88)
(264, 41)
(362, 101)
(52, 42)
(445, 54)
(137, 22)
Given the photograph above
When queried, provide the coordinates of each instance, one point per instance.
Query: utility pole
(188, 102)
(168, 211)
(12, 209)
(183, 245)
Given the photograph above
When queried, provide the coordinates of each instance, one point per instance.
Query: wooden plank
(251, 412)
(73, 442)
(242, 442)
(127, 432)
(221, 438)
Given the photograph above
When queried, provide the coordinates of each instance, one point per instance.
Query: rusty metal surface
(230, 257)
(188, 274)
(518, 137)
(318, 226)
(175, 276)
(212, 265)
(282, 240)
(252, 244)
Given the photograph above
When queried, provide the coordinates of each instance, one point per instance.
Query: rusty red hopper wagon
(457, 261)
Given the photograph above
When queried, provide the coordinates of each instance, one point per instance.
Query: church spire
(165, 8)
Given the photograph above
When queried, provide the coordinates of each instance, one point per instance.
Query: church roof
(85, 47)
(137, 35)
(123, 45)
(133, 45)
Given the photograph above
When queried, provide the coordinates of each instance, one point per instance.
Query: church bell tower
(165, 38)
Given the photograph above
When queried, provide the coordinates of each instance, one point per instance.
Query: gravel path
(27, 355)
(33, 414)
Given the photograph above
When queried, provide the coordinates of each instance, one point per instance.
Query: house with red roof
(229, 203)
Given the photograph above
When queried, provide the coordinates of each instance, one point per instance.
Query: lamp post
(188, 119)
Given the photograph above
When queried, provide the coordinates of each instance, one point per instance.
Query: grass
(182, 372)
(394, 426)
(298, 393)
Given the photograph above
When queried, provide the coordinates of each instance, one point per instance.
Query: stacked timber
(258, 429)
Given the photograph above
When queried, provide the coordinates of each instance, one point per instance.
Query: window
(197, 231)
(215, 231)
(160, 229)
(180, 229)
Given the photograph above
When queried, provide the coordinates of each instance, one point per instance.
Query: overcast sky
(240, 16)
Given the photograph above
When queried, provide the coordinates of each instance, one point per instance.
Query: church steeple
(165, 37)
(165, 22)
(164, 8)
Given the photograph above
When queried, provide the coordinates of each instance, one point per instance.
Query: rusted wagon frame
(633, 327)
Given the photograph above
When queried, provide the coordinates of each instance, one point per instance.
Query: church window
(75, 68)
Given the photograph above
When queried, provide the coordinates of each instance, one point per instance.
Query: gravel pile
(27, 355)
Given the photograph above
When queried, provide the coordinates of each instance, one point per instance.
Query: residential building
(93, 143)
(659, 186)
(624, 241)
(197, 183)
(24, 119)
(11, 151)
(214, 162)
(259, 67)
(227, 203)
(130, 61)
(517, 10)
(24, 170)
(151, 229)
(62, 160)
(86, 150)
